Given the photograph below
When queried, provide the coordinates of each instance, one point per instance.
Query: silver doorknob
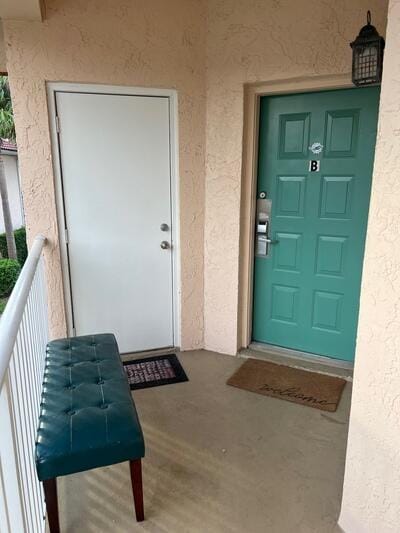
(271, 241)
(165, 245)
(164, 227)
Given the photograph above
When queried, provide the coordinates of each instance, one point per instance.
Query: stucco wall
(136, 43)
(257, 41)
(371, 498)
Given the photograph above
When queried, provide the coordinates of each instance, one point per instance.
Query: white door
(116, 181)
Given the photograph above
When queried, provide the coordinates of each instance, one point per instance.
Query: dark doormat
(154, 371)
(291, 384)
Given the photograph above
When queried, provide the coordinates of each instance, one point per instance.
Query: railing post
(14, 310)
(23, 338)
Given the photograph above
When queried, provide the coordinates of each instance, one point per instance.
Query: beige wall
(257, 41)
(138, 43)
(371, 498)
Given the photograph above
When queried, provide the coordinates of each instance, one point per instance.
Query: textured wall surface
(257, 41)
(134, 43)
(371, 498)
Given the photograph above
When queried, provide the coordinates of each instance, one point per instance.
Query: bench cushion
(88, 418)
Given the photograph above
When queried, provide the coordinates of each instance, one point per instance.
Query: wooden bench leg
(137, 488)
(50, 495)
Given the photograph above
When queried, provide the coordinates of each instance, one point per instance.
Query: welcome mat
(291, 384)
(154, 371)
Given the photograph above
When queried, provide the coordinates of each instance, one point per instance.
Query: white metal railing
(23, 339)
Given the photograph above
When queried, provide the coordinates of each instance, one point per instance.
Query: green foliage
(20, 243)
(7, 128)
(9, 272)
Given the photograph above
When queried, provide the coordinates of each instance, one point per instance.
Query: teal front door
(316, 153)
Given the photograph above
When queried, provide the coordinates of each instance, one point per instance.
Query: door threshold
(303, 360)
(149, 353)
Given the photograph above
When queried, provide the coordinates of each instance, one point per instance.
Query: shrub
(20, 243)
(9, 272)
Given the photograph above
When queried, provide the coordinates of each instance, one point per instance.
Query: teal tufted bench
(87, 417)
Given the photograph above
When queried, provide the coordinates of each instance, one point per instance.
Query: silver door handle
(271, 241)
(165, 245)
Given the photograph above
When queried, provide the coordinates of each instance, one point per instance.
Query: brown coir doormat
(291, 384)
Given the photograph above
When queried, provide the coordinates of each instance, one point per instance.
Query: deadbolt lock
(263, 226)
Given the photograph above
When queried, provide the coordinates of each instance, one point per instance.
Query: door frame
(252, 96)
(91, 88)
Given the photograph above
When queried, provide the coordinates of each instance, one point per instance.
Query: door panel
(115, 159)
(306, 290)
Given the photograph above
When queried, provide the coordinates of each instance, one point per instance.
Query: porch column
(22, 10)
(371, 497)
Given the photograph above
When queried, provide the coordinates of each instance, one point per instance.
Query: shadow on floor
(218, 460)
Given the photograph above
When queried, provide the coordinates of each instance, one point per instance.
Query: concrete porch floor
(219, 460)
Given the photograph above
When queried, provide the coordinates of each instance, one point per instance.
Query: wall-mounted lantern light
(367, 55)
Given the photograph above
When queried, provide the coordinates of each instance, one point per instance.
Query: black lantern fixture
(367, 55)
